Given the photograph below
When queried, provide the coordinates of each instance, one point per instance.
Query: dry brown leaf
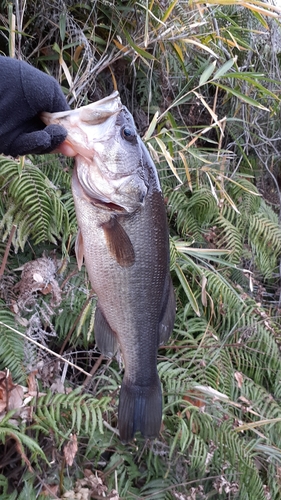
(91, 486)
(239, 379)
(70, 495)
(57, 386)
(50, 489)
(244, 400)
(93, 482)
(11, 395)
(15, 398)
(114, 495)
(195, 398)
(204, 291)
(38, 276)
(70, 449)
(31, 382)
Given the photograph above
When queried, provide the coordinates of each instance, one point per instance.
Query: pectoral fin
(118, 243)
(79, 249)
(106, 339)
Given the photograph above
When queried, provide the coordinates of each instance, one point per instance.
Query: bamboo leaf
(252, 79)
(169, 11)
(138, 49)
(207, 73)
(187, 172)
(242, 97)
(187, 289)
(66, 72)
(151, 127)
(168, 157)
(255, 5)
(119, 45)
(224, 68)
(253, 425)
(62, 25)
(203, 47)
(178, 51)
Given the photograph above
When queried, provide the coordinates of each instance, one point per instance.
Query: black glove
(24, 93)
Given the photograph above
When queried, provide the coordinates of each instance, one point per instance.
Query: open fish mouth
(87, 125)
(122, 208)
(112, 207)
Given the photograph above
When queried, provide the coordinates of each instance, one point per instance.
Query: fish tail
(140, 409)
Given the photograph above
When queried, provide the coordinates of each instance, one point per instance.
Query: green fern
(68, 413)
(33, 204)
(229, 237)
(265, 239)
(12, 346)
(10, 430)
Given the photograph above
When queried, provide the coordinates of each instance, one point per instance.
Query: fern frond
(259, 358)
(11, 346)
(229, 237)
(8, 430)
(33, 204)
(191, 212)
(265, 239)
(245, 195)
(66, 413)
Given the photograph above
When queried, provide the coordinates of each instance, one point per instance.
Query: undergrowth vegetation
(203, 83)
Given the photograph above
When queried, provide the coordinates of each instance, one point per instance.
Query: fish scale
(123, 236)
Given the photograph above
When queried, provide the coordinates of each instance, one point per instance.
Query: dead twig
(93, 370)
(44, 348)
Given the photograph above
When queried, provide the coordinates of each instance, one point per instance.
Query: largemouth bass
(123, 236)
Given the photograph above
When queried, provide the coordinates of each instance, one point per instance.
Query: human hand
(24, 93)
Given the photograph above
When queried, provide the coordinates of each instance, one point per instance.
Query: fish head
(109, 162)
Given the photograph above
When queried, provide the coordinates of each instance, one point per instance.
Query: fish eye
(128, 134)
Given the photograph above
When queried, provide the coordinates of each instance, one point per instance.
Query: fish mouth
(124, 197)
(123, 203)
(114, 207)
(111, 207)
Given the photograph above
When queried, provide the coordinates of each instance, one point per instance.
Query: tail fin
(140, 409)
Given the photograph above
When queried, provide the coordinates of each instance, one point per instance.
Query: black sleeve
(24, 93)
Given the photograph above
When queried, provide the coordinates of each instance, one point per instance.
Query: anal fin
(118, 242)
(105, 337)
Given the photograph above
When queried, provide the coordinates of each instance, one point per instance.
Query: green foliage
(11, 431)
(265, 238)
(34, 204)
(11, 345)
(64, 414)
